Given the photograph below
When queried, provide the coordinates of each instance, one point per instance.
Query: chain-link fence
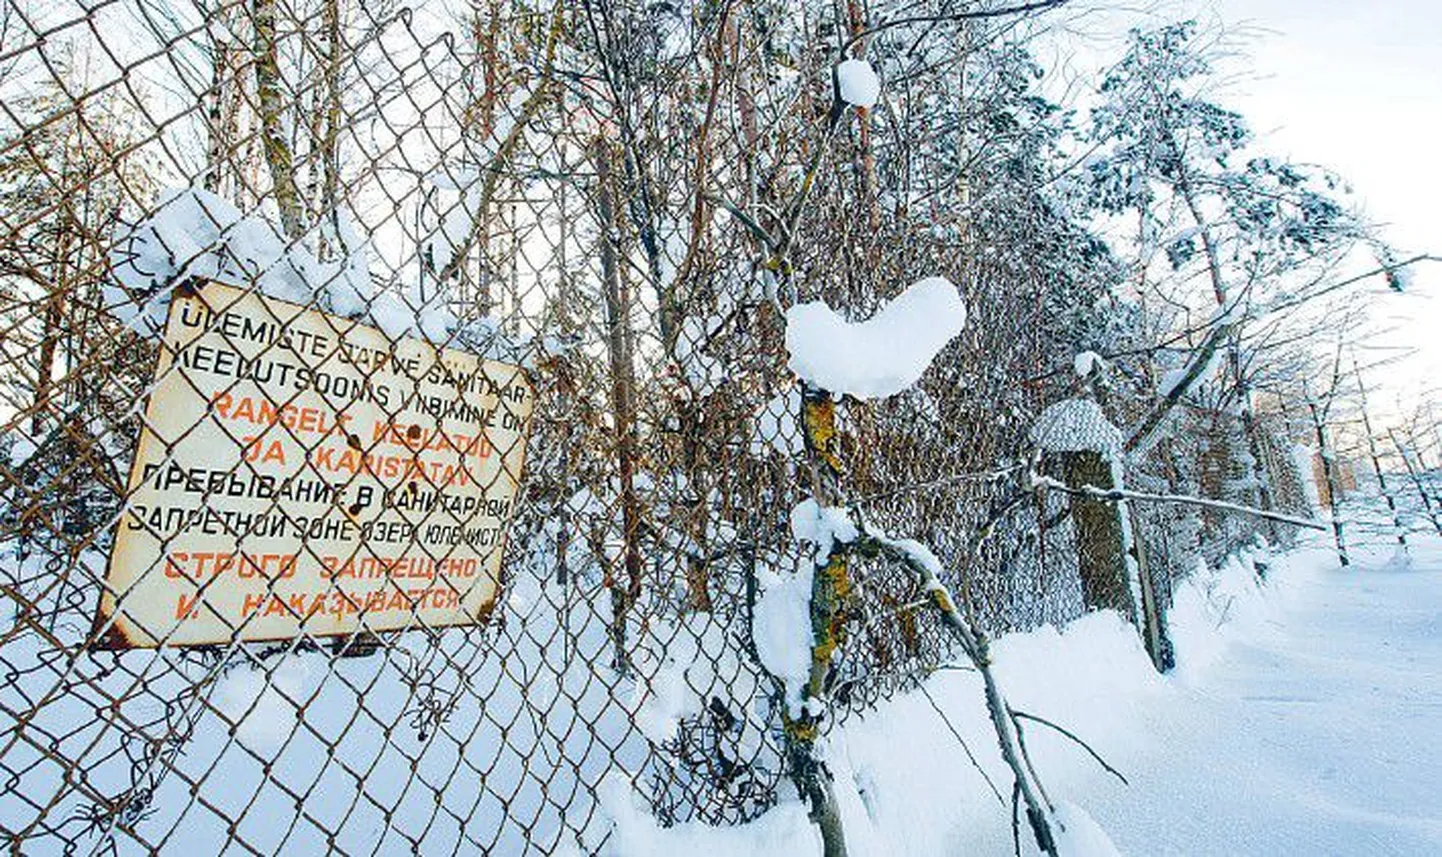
(398, 433)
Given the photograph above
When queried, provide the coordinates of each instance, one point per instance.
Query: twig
(942, 482)
(974, 644)
(1022, 715)
(962, 741)
(1016, 819)
(1026, 757)
(1039, 6)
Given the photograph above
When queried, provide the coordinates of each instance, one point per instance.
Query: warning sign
(299, 473)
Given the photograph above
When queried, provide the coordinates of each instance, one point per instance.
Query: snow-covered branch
(1116, 495)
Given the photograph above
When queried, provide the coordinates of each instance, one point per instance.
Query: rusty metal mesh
(551, 187)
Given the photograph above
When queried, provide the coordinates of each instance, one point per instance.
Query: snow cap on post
(881, 356)
(857, 83)
(1076, 425)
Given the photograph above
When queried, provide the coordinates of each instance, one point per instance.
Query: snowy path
(1303, 719)
(1322, 734)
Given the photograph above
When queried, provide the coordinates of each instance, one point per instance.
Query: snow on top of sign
(883, 355)
(1075, 425)
(857, 83)
(196, 234)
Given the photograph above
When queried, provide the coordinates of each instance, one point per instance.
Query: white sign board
(299, 473)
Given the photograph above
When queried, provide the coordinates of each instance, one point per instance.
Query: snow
(262, 705)
(1313, 733)
(196, 234)
(1401, 279)
(857, 83)
(1087, 362)
(1173, 377)
(883, 355)
(705, 372)
(782, 625)
(1079, 835)
(822, 526)
(1129, 539)
(782, 628)
(1301, 719)
(1076, 425)
(687, 661)
(905, 783)
(785, 829)
(21, 448)
(453, 226)
(1303, 458)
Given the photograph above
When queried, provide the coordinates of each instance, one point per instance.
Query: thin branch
(1022, 715)
(962, 741)
(1116, 495)
(941, 482)
(980, 14)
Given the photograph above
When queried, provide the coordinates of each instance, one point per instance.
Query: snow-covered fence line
(478, 317)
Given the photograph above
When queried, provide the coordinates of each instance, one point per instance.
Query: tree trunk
(1376, 458)
(1329, 473)
(1416, 480)
(1155, 633)
(216, 137)
(830, 593)
(274, 139)
(623, 407)
(330, 135)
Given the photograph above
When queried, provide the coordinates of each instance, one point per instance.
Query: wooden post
(1155, 635)
(1100, 540)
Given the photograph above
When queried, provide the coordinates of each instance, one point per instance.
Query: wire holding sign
(298, 475)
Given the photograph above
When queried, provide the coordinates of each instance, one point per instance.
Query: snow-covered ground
(1317, 731)
(1305, 717)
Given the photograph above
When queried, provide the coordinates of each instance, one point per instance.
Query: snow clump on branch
(1087, 362)
(881, 356)
(857, 83)
(782, 625)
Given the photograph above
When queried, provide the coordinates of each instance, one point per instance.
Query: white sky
(1351, 85)
(1357, 86)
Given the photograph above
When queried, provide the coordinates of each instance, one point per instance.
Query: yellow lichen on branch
(818, 417)
(830, 592)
